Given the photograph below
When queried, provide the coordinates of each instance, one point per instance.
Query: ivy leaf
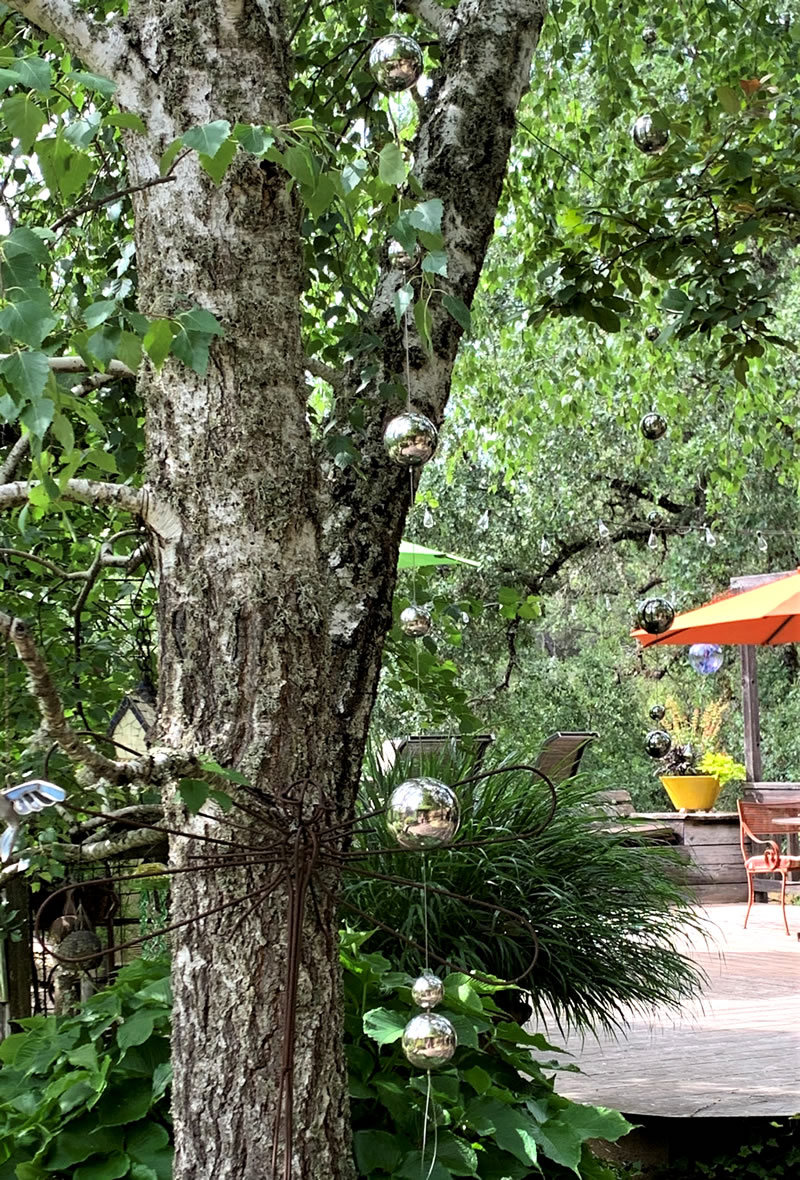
(392, 167)
(26, 372)
(24, 119)
(208, 138)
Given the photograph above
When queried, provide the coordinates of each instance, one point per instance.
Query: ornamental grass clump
(607, 906)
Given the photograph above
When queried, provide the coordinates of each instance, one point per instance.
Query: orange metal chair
(756, 821)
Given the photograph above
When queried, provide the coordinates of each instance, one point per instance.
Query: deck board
(733, 1052)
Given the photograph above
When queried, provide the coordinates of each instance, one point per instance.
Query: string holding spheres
(415, 621)
(429, 1039)
(657, 712)
(653, 426)
(395, 62)
(706, 658)
(410, 439)
(655, 615)
(427, 990)
(423, 813)
(657, 743)
(648, 138)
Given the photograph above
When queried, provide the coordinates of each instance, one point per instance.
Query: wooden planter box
(709, 842)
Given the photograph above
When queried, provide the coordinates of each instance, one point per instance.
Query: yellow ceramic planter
(692, 792)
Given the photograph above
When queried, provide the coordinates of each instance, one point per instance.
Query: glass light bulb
(652, 540)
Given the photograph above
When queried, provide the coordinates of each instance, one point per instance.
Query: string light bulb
(711, 540)
(761, 542)
(603, 531)
(545, 548)
(652, 540)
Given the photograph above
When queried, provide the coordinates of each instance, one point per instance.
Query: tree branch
(437, 18)
(325, 372)
(76, 364)
(110, 847)
(15, 457)
(99, 202)
(102, 48)
(158, 516)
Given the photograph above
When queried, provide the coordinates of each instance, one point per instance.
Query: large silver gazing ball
(415, 621)
(649, 35)
(395, 62)
(657, 743)
(653, 426)
(429, 1040)
(655, 615)
(423, 813)
(410, 439)
(427, 990)
(648, 138)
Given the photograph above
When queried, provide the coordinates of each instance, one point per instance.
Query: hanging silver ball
(422, 813)
(655, 615)
(415, 621)
(427, 990)
(653, 426)
(395, 62)
(657, 743)
(706, 658)
(654, 518)
(648, 138)
(649, 35)
(399, 256)
(429, 1040)
(410, 439)
(652, 332)
(657, 712)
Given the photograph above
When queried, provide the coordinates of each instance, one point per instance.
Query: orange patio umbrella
(767, 614)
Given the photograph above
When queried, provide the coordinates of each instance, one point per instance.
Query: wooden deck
(734, 1052)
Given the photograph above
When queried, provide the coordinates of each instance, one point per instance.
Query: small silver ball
(652, 332)
(655, 615)
(410, 439)
(395, 62)
(657, 712)
(427, 990)
(399, 256)
(657, 743)
(429, 1040)
(423, 813)
(649, 35)
(415, 621)
(648, 138)
(653, 426)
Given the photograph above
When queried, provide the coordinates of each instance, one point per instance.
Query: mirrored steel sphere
(655, 615)
(422, 813)
(657, 743)
(395, 62)
(706, 658)
(427, 990)
(410, 439)
(649, 35)
(653, 426)
(429, 1040)
(652, 332)
(654, 519)
(657, 712)
(415, 621)
(399, 256)
(648, 138)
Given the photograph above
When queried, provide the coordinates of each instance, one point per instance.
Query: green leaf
(376, 1151)
(217, 165)
(729, 100)
(94, 82)
(401, 300)
(135, 1029)
(27, 372)
(33, 72)
(197, 319)
(424, 323)
(418, 1167)
(674, 299)
(299, 163)
(427, 216)
(321, 196)
(148, 1144)
(392, 167)
(97, 313)
(127, 120)
(511, 1129)
(82, 1139)
(194, 793)
(125, 1101)
(30, 320)
(739, 164)
(158, 341)
(64, 167)
(24, 119)
(458, 310)
(169, 156)
(37, 416)
(208, 138)
(384, 1026)
(435, 262)
(111, 1168)
(192, 349)
(253, 139)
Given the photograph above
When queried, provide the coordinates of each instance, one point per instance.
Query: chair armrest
(772, 853)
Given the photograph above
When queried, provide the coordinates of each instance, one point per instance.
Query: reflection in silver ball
(429, 1040)
(706, 658)
(655, 615)
(657, 743)
(415, 621)
(649, 35)
(395, 62)
(657, 712)
(410, 439)
(654, 518)
(427, 990)
(652, 332)
(648, 138)
(399, 256)
(653, 426)
(422, 813)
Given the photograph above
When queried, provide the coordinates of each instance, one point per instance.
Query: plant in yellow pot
(692, 771)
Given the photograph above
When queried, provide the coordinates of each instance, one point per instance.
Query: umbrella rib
(783, 623)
